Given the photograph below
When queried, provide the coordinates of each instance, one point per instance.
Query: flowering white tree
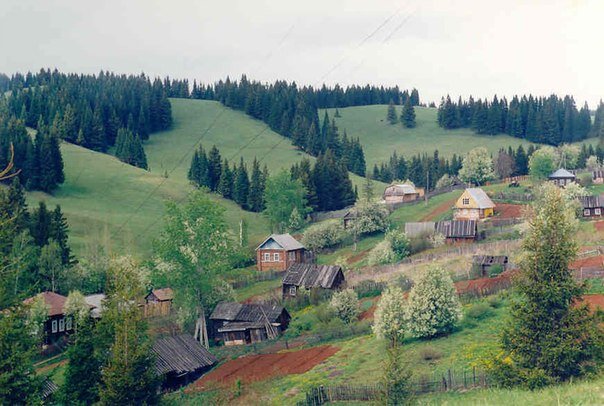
(592, 163)
(76, 307)
(477, 167)
(346, 305)
(389, 317)
(433, 307)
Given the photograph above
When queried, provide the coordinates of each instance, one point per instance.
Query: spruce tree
(256, 193)
(214, 168)
(225, 183)
(408, 115)
(241, 186)
(391, 114)
(59, 232)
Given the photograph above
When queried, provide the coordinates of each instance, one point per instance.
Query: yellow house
(473, 204)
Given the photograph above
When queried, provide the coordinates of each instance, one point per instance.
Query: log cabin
(158, 302)
(562, 177)
(473, 204)
(278, 252)
(400, 193)
(57, 325)
(592, 206)
(311, 276)
(246, 323)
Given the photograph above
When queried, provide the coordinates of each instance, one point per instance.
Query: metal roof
(181, 354)
(457, 228)
(246, 312)
(285, 241)
(312, 275)
(482, 199)
(400, 190)
(561, 174)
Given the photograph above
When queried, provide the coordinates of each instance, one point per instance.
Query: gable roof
(312, 275)
(482, 200)
(285, 241)
(181, 354)
(400, 189)
(53, 301)
(163, 294)
(561, 174)
(247, 312)
(457, 228)
(592, 202)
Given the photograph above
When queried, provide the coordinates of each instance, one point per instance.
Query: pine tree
(391, 115)
(59, 232)
(40, 224)
(408, 115)
(225, 183)
(256, 193)
(241, 186)
(214, 168)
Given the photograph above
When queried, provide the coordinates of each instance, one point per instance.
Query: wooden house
(278, 252)
(349, 217)
(592, 206)
(483, 264)
(597, 176)
(247, 323)
(158, 302)
(400, 193)
(181, 359)
(458, 231)
(473, 204)
(562, 177)
(312, 276)
(58, 324)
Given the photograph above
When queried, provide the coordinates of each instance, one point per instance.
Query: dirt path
(438, 210)
(260, 367)
(49, 367)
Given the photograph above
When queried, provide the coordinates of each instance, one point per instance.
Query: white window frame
(54, 325)
(598, 211)
(586, 212)
(292, 290)
(292, 256)
(267, 257)
(68, 324)
(62, 325)
(276, 257)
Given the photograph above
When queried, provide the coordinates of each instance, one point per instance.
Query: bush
(444, 181)
(370, 218)
(324, 313)
(495, 270)
(419, 244)
(381, 254)
(585, 179)
(399, 243)
(478, 311)
(346, 305)
(389, 318)
(403, 283)
(323, 235)
(369, 288)
(495, 301)
(430, 353)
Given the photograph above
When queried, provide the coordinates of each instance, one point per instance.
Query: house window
(466, 201)
(54, 326)
(292, 256)
(292, 291)
(586, 212)
(68, 324)
(276, 257)
(62, 325)
(598, 211)
(267, 257)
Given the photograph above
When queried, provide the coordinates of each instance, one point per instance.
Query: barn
(485, 264)
(592, 206)
(458, 231)
(181, 359)
(278, 252)
(158, 302)
(312, 276)
(562, 177)
(473, 204)
(246, 323)
(400, 193)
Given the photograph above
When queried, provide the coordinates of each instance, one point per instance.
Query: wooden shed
(246, 323)
(312, 276)
(181, 359)
(592, 206)
(458, 231)
(278, 252)
(562, 177)
(597, 176)
(400, 193)
(483, 264)
(473, 204)
(158, 302)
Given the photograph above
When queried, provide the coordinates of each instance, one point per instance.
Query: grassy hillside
(379, 138)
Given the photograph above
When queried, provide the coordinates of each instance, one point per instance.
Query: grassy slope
(379, 138)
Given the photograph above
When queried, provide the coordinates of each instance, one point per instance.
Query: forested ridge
(549, 120)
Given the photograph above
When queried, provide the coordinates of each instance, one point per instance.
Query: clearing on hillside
(253, 368)
(508, 210)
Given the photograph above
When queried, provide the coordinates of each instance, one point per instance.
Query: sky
(458, 47)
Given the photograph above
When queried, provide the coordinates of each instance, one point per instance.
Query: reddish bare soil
(368, 314)
(485, 285)
(591, 262)
(440, 209)
(593, 301)
(260, 367)
(599, 225)
(509, 211)
(49, 367)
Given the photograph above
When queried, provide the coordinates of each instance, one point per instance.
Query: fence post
(474, 376)
(450, 380)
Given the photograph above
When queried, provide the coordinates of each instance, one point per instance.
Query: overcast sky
(476, 47)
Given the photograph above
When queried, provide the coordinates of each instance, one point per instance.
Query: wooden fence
(438, 382)
(516, 197)
(248, 280)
